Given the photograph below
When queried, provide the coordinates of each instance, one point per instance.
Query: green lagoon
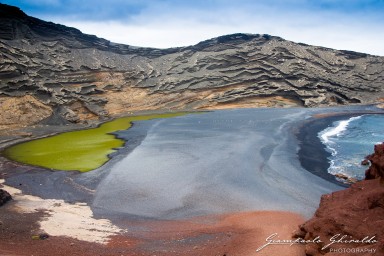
(83, 150)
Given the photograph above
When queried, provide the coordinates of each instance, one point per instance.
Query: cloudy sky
(356, 25)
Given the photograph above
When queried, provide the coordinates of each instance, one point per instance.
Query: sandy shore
(23, 219)
(72, 230)
(63, 205)
(312, 153)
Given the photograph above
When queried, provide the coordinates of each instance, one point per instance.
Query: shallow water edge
(271, 144)
(82, 150)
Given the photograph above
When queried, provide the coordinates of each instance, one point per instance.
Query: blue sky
(356, 25)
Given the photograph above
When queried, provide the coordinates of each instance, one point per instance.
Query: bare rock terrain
(46, 66)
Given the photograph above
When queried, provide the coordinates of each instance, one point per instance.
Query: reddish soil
(231, 234)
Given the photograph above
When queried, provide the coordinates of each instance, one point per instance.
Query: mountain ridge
(52, 69)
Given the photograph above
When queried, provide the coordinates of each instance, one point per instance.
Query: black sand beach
(73, 186)
(261, 160)
(218, 162)
(312, 154)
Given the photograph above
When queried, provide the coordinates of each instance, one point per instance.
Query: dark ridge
(15, 24)
(232, 39)
(236, 38)
(8, 11)
(353, 55)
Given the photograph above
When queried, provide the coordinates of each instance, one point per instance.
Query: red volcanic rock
(353, 218)
(4, 197)
(376, 169)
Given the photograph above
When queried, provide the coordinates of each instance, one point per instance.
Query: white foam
(330, 132)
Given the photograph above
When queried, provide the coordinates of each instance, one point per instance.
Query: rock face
(376, 170)
(16, 111)
(356, 212)
(89, 77)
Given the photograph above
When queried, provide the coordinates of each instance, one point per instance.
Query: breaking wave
(349, 141)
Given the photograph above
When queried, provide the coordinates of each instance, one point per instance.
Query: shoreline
(67, 150)
(239, 135)
(237, 233)
(31, 177)
(184, 236)
(313, 154)
(306, 135)
(16, 135)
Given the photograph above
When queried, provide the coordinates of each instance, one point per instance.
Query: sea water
(349, 141)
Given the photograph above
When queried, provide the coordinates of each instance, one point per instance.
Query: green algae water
(83, 150)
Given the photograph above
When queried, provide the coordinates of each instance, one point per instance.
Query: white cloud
(159, 27)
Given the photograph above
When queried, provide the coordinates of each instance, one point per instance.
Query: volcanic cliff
(356, 213)
(49, 69)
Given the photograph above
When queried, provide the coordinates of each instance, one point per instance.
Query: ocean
(349, 141)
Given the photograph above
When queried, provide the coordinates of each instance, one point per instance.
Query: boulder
(4, 197)
(376, 169)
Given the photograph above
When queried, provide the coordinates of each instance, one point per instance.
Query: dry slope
(79, 76)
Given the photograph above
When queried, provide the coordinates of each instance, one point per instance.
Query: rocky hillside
(46, 69)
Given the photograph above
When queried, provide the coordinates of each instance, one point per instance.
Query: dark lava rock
(60, 66)
(4, 197)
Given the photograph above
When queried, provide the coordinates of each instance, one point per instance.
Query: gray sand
(217, 162)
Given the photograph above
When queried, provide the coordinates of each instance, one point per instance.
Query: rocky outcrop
(376, 169)
(357, 213)
(92, 77)
(4, 197)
